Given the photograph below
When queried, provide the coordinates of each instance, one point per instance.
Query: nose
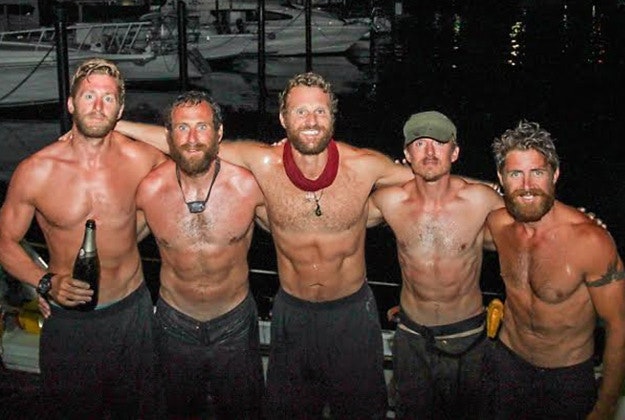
(429, 148)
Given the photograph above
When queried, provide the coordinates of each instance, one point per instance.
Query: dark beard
(195, 166)
(91, 131)
(529, 213)
(293, 137)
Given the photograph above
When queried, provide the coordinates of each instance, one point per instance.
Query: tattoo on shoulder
(611, 275)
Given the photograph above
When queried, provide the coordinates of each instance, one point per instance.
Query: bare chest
(336, 208)
(446, 233)
(545, 270)
(226, 220)
(73, 196)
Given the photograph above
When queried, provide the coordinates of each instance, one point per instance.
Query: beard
(529, 212)
(304, 147)
(97, 129)
(197, 165)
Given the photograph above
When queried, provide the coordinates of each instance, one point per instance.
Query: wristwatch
(45, 284)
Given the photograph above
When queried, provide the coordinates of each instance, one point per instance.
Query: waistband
(583, 366)
(114, 308)
(464, 328)
(191, 322)
(357, 296)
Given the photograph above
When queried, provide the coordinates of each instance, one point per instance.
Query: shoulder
(156, 179)
(138, 150)
(362, 155)
(478, 194)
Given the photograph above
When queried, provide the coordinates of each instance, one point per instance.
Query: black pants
(101, 364)
(437, 371)
(327, 353)
(211, 368)
(518, 390)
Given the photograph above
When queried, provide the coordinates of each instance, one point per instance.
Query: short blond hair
(310, 80)
(98, 66)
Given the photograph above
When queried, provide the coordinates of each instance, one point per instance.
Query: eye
(88, 96)
(109, 99)
(181, 127)
(301, 112)
(322, 112)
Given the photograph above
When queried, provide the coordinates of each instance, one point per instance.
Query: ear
(119, 114)
(70, 105)
(407, 155)
(455, 154)
(220, 134)
(282, 121)
(556, 175)
(500, 178)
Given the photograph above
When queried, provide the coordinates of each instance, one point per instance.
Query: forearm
(613, 371)
(154, 135)
(18, 263)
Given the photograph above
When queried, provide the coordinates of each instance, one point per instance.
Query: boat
(28, 58)
(285, 26)
(211, 44)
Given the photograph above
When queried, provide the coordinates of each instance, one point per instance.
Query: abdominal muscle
(320, 267)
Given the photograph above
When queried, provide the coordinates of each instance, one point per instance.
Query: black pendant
(318, 212)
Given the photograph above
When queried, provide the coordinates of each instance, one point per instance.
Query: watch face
(45, 284)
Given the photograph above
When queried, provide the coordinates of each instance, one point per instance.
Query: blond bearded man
(101, 362)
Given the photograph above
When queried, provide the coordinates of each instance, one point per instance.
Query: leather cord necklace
(198, 206)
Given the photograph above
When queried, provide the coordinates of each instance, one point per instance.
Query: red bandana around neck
(297, 177)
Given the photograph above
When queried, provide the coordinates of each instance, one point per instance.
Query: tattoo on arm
(612, 275)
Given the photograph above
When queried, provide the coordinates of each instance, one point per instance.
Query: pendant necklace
(312, 196)
(198, 206)
(311, 186)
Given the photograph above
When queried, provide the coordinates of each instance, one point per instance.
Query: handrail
(123, 36)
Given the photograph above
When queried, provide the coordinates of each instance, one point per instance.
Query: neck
(435, 190)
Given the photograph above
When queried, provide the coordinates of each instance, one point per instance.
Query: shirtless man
(561, 272)
(101, 362)
(200, 210)
(316, 194)
(438, 220)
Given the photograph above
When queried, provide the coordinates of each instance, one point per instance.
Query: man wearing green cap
(438, 220)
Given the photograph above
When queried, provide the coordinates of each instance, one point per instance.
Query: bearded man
(561, 272)
(97, 364)
(201, 212)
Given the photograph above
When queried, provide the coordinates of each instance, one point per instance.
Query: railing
(115, 38)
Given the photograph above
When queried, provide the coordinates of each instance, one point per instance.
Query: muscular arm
(143, 230)
(607, 291)
(374, 216)
(16, 216)
(155, 135)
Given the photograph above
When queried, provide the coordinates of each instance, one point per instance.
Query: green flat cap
(430, 124)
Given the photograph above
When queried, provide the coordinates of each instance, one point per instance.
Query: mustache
(189, 147)
(533, 191)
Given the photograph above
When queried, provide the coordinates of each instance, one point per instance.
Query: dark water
(485, 64)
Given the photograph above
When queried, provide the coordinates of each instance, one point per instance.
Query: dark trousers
(211, 368)
(437, 371)
(326, 354)
(518, 390)
(101, 364)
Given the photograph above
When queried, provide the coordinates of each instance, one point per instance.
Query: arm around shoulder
(154, 135)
